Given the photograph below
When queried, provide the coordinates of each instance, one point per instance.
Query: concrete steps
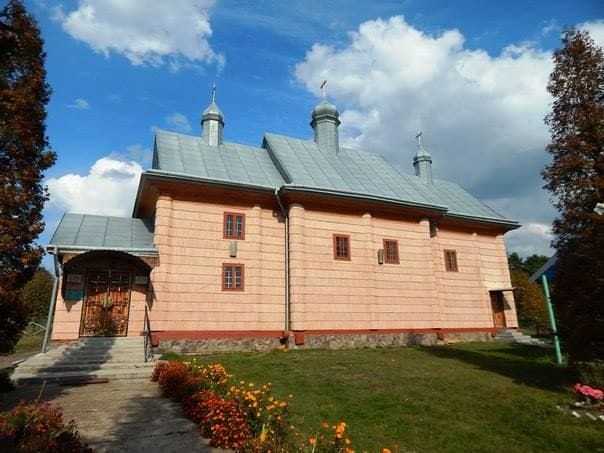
(516, 336)
(87, 359)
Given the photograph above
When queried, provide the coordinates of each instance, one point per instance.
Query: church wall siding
(187, 284)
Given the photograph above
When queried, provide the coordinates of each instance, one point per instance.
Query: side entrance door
(106, 304)
(497, 306)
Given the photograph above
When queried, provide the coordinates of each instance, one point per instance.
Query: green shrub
(591, 373)
(32, 427)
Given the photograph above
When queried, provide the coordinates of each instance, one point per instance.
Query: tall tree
(36, 294)
(24, 94)
(534, 262)
(530, 303)
(576, 180)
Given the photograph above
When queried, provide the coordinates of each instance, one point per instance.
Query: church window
(234, 226)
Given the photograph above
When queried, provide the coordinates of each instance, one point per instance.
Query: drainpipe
(286, 217)
(53, 300)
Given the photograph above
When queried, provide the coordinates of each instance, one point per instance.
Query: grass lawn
(471, 397)
(30, 343)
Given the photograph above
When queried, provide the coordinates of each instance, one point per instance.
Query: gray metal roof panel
(349, 171)
(189, 155)
(94, 231)
(363, 173)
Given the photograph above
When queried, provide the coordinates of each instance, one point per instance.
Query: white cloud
(482, 114)
(179, 122)
(530, 239)
(596, 30)
(174, 32)
(79, 104)
(138, 153)
(108, 189)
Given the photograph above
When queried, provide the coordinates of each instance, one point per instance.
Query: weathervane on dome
(323, 89)
(213, 92)
(418, 136)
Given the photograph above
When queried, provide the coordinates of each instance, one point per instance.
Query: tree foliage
(36, 294)
(24, 94)
(576, 180)
(530, 264)
(530, 302)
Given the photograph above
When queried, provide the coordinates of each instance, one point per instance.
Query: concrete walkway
(127, 415)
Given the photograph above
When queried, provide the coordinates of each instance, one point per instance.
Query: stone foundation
(213, 345)
(317, 341)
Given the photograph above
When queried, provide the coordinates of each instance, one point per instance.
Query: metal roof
(229, 162)
(95, 232)
(295, 163)
(363, 173)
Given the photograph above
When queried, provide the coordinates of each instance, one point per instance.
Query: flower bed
(241, 415)
(33, 427)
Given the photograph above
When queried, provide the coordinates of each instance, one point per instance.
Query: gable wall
(187, 283)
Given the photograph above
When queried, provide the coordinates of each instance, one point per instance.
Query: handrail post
(147, 336)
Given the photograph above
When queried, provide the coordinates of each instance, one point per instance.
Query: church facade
(298, 242)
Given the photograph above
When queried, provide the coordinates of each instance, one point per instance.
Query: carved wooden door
(498, 309)
(106, 305)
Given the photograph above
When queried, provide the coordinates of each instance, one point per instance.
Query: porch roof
(83, 232)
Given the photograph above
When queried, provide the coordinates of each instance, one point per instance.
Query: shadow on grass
(524, 364)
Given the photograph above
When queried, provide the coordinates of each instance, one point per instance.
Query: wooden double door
(106, 303)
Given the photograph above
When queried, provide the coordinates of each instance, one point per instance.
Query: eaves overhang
(437, 209)
(53, 249)
(151, 175)
(506, 224)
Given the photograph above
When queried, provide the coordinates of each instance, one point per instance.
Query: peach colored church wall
(66, 321)
(187, 284)
(360, 293)
(482, 265)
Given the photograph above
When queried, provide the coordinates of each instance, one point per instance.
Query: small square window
(234, 226)
(451, 261)
(341, 247)
(391, 251)
(232, 277)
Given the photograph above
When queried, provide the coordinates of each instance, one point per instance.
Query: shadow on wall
(524, 364)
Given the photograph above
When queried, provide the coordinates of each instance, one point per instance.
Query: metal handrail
(147, 336)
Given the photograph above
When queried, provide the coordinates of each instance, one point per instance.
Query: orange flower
(386, 450)
(312, 440)
(325, 425)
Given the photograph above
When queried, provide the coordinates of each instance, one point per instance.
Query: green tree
(24, 94)
(534, 262)
(530, 302)
(576, 180)
(36, 294)
(515, 261)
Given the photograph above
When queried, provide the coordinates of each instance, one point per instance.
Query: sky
(471, 74)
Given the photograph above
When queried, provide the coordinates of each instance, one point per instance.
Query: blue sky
(471, 74)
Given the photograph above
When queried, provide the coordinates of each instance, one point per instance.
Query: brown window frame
(335, 247)
(224, 225)
(233, 265)
(451, 266)
(386, 260)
